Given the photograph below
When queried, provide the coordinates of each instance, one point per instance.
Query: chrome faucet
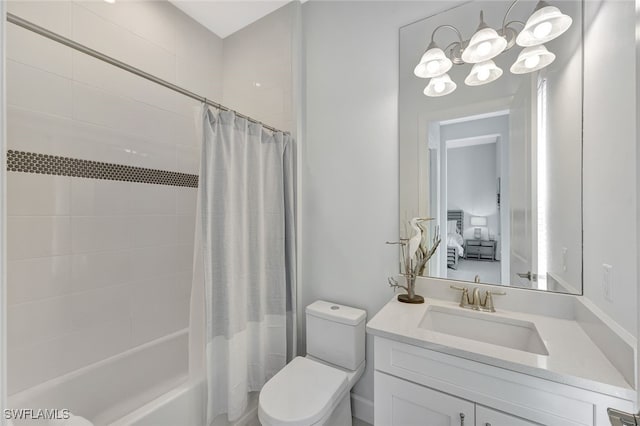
(475, 302)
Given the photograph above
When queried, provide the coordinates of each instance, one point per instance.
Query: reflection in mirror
(499, 165)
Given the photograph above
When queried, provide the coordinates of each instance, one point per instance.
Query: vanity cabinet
(402, 403)
(419, 386)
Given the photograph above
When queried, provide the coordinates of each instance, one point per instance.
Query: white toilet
(315, 390)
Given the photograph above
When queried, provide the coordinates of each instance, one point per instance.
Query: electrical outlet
(565, 255)
(607, 281)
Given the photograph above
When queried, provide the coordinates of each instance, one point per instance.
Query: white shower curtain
(246, 243)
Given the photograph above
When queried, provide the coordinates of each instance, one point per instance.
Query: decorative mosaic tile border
(30, 162)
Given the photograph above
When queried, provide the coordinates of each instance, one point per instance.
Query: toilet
(316, 389)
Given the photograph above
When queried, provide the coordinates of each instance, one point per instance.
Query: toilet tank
(335, 334)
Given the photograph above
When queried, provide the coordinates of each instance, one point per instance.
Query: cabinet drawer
(402, 403)
(488, 417)
(486, 250)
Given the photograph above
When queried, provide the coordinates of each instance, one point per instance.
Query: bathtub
(182, 406)
(146, 385)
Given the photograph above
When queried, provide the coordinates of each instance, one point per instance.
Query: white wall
(610, 168)
(258, 69)
(97, 267)
(350, 153)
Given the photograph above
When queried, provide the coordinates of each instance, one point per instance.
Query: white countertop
(573, 358)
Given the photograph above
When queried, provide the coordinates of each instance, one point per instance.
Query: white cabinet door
(402, 403)
(488, 417)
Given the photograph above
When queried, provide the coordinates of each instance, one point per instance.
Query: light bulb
(542, 30)
(438, 87)
(483, 74)
(483, 48)
(532, 61)
(432, 67)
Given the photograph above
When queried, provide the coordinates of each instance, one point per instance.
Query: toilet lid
(301, 393)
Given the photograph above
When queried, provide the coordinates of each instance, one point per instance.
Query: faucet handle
(464, 298)
(488, 299)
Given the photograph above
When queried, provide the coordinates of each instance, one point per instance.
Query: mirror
(497, 166)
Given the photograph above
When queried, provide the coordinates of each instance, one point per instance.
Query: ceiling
(225, 17)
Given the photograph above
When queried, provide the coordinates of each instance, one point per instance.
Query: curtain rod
(14, 19)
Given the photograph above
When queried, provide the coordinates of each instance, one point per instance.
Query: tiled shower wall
(96, 267)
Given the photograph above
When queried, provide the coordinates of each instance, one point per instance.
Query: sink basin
(483, 327)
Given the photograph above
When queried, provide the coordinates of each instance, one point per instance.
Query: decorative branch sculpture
(415, 256)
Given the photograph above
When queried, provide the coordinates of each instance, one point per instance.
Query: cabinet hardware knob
(461, 419)
(487, 424)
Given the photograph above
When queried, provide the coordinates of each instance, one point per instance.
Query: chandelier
(545, 24)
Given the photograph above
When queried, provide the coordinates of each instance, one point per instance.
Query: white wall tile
(268, 102)
(160, 290)
(38, 236)
(160, 306)
(96, 197)
(96, 73)
(38, 195)
(150, 155)
(99, 143)
(39, 132)
(103, 269)
(29, 366)
(152, 322)
(153, 230)
(158, 27)
(101, 305)
(186, 200)
(149, 199)
(143, 121)
(52, 15)
(98, 233)
(38, 321)
(38, 90)
(113, 40)
(153, 262)
(40, 278)
(71, 239)
(198, 58)
(188, 160)
(185, 229)
(184, 257)
(31, 49)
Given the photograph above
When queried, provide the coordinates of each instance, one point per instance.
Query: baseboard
(362, 408)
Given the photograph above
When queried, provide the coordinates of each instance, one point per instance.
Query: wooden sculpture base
(404, 298)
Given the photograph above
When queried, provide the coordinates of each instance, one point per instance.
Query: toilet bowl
(315, 390)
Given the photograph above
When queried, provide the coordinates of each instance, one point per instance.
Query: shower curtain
(246, 242)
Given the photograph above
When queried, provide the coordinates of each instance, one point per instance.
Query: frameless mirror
(492, 152)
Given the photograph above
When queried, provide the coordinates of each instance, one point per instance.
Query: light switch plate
(565, 255)
(607, 281)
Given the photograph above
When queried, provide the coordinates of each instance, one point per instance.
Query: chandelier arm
(515, 22)
(451, 27)
(504, 20)
(455, 59)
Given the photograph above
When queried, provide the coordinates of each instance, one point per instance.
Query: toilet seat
(302, 393)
